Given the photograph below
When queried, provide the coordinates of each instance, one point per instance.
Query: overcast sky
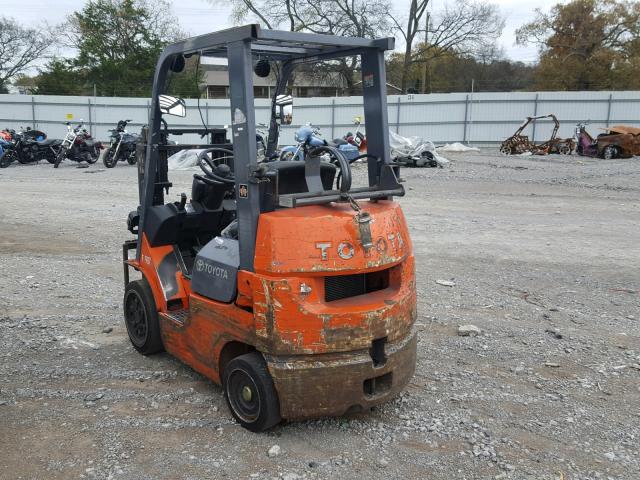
(200, 16)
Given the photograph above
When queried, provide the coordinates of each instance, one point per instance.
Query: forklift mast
(240, 45)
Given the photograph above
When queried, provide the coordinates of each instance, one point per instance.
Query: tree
(59, 77)
(465, 28)
(20, 48)
(118, 43)
(449, 72)
(351, 18)
(586, 45)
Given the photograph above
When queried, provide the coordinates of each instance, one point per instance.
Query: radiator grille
(345, 286)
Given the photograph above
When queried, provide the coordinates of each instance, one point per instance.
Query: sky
(201, 16)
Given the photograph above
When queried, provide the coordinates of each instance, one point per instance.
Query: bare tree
(467, 27)
(355, 18)
(20, 48)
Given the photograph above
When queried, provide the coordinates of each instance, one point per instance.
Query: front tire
(250, 393)
(7, 158)
(109, 160)
(141, 317)
(59, 157)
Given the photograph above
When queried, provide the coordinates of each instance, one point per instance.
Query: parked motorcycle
(3, 145)
(78, 145)
(122, 146)
(357, 138)
(309, 137)
(27, 146)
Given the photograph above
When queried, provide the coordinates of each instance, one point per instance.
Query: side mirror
(285, 108)
(172, 106)
(357, 120)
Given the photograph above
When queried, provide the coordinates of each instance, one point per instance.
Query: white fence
(476, 119)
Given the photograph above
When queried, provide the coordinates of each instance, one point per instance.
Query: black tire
(610, 152)
(59, 157)
(92, 157)
(131, 159)
(250, 394)
(141, 317)
(7, 158)
(108, 159)
(286, 156)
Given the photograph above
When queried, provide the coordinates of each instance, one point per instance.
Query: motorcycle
(27, 146)
(308, 137)
(122, 146)
(357, 138)
(78, 145)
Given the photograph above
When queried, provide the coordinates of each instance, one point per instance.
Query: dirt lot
(545, 257)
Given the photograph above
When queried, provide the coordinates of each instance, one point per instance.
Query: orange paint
(280, 308)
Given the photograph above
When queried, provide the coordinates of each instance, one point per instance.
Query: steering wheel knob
(222, 170)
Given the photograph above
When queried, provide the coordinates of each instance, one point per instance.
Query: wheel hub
(247, 394)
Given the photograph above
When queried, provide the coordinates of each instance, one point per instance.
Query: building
(216, 78)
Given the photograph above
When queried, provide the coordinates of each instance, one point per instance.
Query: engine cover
(215, 270)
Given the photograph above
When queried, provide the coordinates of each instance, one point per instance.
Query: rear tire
(250, 393)
(131, 159)
(92, 157)
(141, 317)
(610, 152)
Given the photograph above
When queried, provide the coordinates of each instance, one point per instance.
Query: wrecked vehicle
(518, 144)
(620, 141)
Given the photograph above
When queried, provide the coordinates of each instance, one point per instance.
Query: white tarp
(414, 147)
(457, 147)
(184, 159)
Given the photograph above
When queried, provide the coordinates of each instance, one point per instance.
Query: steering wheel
(215, 168)
(344, 177)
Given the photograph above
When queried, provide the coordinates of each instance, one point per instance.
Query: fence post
(466, 111)
(333, 118)
(609, 109)
(33, 112)
(535, 114)
(148, 112)
(90, 118)
(398, 116)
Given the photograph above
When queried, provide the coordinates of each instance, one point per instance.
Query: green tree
(59, 77)
(118, 43)
(586, 45)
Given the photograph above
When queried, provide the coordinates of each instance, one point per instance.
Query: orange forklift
(279, 280)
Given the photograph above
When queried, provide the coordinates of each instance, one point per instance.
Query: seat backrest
(291, 176)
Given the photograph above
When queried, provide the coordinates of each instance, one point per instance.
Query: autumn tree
(586, 45)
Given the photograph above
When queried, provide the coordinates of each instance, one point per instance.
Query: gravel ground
(541, 254)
